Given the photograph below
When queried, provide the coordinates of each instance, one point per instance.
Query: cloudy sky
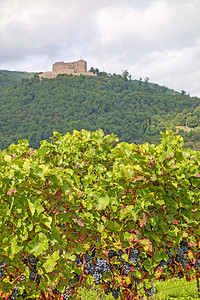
(159, 39)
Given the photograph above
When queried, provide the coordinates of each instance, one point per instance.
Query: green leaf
(46, 220)
(101, 202)
(31, 206)
(51, 261)
(38, 245)
(39, 208)
(14, 248)
(147, 264)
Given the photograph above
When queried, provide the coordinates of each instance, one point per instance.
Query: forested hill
(135, 111)
(8, 78)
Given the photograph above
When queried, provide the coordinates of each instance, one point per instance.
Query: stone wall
(75, 68)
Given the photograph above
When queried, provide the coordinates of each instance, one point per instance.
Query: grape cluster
(180, 275)
(184, 246)
(67, 293)
(196, 264)
(126, 267)
(95, 269)
(32, 263)
(151, 291)
(13, 296)
(133, 255)
(112, 253)
(137, 281)
(99, 267)
(2, 266)
(181, 257)
(114, 292)
(88, 260)
(164, 263)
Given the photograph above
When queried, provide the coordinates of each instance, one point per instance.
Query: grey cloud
(155, 38)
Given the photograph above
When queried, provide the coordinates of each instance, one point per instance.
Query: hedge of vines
(85, 210)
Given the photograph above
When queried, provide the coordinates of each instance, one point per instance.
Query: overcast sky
(159, 39)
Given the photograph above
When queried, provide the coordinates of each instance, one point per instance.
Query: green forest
(135, 110)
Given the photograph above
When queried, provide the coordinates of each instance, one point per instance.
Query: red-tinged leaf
(197, 175)
(152, 161)
(79, 222)
(9, 192)
(58, 194)
(31, 152)
(138, 178)
(175, 222)
(144, 220)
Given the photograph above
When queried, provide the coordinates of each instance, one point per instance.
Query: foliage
(93, 293)
(86, 195)
(136, 111)
(176, 289)
(9, 78)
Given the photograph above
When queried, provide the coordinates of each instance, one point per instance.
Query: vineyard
(87, 211)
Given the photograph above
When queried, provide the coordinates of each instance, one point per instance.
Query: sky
(159, 39)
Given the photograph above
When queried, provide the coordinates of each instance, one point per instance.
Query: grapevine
(85, 209)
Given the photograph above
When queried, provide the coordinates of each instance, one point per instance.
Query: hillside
(8, 78)
(135, 111)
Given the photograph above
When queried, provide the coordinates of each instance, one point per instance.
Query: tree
(92, 70)
(125, 74)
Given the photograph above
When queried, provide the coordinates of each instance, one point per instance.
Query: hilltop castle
(75, 68)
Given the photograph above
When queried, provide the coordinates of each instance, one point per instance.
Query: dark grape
(149, 293)
(108, 291)
(32, 275)
(1, 273)
(163, 263)
(2, 265)
(126, 267)
(112, 253)
(180, 275)
(88, 258)
(78, 260)
(38, 277)
(115, 293)
(137, 281)
(97, 277)
(152, 288)
(184, 246)
(67, 294)
(181, 257)
(196, 265)
(13, 296)
(102, 265)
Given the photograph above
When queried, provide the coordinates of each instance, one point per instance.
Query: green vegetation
(86, 211)
(136, 111)
(171, 289)
(176, 289)
(9, 78)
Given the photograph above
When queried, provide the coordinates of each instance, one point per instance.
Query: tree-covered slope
(135, 111)
(8, 78)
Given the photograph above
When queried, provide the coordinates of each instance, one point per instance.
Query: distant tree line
(135, 110)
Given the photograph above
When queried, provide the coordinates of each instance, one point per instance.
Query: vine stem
(81, 272)
(60, 268)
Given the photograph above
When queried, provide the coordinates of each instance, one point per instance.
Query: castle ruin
(75, 68)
